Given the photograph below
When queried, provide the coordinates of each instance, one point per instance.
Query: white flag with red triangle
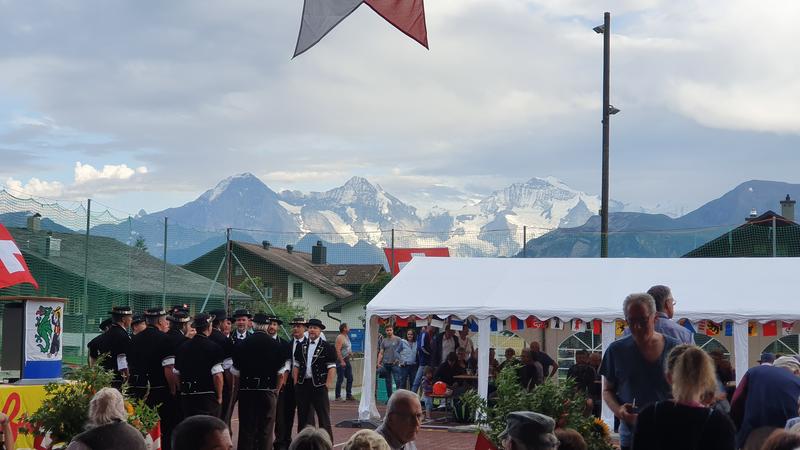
(13, 269)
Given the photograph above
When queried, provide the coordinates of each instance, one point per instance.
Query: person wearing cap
(93, 345)
(151, 363)
(241, 319)
(402, 421)
(219, 318)
(116, 342)
(766, 397)
(313, 373)
(257, 363)
(287, 402)
(527, 430)
(138, 324)
(178, 327)
(199, 366)
(767, 359)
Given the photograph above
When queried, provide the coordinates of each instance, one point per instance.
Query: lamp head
(600, 29)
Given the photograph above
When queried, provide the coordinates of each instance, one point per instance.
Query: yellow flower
(129, 407)
(602, 427)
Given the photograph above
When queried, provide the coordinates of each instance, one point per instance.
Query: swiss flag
(483, 443)
(13, 269)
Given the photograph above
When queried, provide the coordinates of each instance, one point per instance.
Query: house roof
(754, 239)
(299, 265)
(116, 266)
(351, 274)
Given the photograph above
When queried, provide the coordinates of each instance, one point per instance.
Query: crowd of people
(195, 369)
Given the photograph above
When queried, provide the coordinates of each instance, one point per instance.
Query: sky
(146, 104)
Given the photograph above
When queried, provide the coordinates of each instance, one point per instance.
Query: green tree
(140, 244)
(370, 290)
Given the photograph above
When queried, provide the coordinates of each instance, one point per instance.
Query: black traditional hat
(201, 320)
(261, 319)
(298, 321)
(155, 312)
(242, 313)
(121, 311)
(105, 324)
(219, 314)
(180, 317)
(183, 307)
(316, 323)
(275, 319)
(138, 318)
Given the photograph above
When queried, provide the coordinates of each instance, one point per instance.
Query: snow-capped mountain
(360, 211)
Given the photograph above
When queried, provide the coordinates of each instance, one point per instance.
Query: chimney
(753, 215)
(266, 245)
(319, 254)
(289, 248)
(787, 208)
(52, 246)
(35, 222)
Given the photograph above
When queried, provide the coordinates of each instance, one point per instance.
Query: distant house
(302, 278)
(766, 235)
(118, 274)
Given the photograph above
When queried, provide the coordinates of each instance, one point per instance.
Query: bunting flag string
(578, 325)
(786, 328)
(712, 328)
(752, 329)
(456, 325)
(769, 329)
(619, 327)
(321, 16)
(686, 323)
(729, 328)
(556, 323)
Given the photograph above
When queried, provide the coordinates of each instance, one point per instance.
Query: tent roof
(738, 289)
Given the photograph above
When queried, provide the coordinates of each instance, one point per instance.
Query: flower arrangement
(65, 410)
(561, 401)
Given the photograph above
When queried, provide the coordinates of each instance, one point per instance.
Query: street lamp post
(608, 110)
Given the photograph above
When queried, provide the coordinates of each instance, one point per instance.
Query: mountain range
(358, 218)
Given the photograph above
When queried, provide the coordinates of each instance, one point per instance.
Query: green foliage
(65, 409)
(140, 244)
(370, 290)
(561, 401)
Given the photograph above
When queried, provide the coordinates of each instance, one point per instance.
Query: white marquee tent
(718, 289)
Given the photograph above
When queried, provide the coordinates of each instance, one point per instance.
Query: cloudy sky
(146, 104)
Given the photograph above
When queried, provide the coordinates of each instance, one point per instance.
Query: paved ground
(442, 438)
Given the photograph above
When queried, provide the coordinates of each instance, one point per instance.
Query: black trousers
(256, 419)
(200, 404)
(169, 410)
(287, 407)
(316, 399)
(228, 398)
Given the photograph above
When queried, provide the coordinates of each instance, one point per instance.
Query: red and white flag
(321, 16)
(13, 269)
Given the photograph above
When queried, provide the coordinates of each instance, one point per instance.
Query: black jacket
(258, 360)
(324, 358)
(148, 352)
(195, 360)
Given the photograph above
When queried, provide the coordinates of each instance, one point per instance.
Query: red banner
(13, 269)
(403, 256)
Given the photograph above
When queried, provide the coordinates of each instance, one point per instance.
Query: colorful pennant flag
(321, 16)
(556, 323)
(400, 322)
(701, 327)
(494, 325)
(786, 328)
(619, 327)
(436, 322)
(578, 325)
(533, 322)
(597, 327)
(473, 326)
(686, 323)
(752, 329)
(514, 324)
(729, 328)
(456, 325)
(13, 269)
(770, 328)
(712, 328)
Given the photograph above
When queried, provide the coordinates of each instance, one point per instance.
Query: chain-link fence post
(164, 275)
(85, 300)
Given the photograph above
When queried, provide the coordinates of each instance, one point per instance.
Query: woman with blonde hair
(366, 440)
(684, 422)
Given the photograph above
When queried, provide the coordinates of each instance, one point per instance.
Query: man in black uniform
(178, 327)
(257, 363)
(287, 405)
(217, 336)
(115, 342)
(241, 320)
(93, 345)
(199, 366)
(282, 438)
(314, 372)
(151, 363)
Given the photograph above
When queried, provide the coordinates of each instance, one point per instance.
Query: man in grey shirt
(389, 348)
(665, 310)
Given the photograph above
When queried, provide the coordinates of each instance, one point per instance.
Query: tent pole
(484, 343)
(741, 350)
(366, 408)
(608, 335)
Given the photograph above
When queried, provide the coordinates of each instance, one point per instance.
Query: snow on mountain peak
(240, 179)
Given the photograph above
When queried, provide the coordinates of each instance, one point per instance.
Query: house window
(238, 270)
(297, 290)
(268, 290)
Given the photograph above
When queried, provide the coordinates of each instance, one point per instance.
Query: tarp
(718, 289)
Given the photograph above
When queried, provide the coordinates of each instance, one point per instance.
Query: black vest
(324, 355)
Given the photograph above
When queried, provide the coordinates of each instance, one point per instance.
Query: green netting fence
(125, 259)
